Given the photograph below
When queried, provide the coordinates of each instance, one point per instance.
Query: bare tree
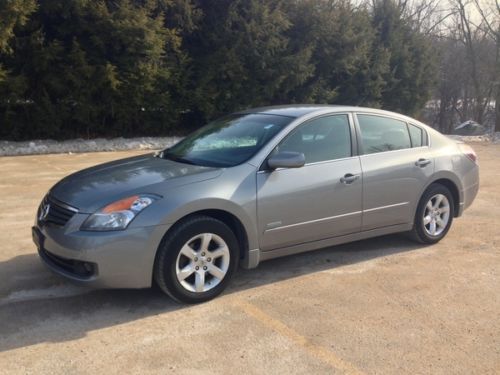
(468, 69)
(469, 36)
(427, 16)
(491, 24)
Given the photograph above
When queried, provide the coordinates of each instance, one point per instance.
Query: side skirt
(255, 256)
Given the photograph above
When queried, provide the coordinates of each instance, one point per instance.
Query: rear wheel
(196, 260)
(434, 215)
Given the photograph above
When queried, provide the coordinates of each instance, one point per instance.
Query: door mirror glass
(286, 159)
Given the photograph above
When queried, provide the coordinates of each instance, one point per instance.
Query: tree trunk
(497, 96)
(497, 114)
(442, 114)
(497, 109)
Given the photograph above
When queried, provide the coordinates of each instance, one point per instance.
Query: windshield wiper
(166, 155)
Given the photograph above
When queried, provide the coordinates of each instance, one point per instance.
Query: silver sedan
(249, 187)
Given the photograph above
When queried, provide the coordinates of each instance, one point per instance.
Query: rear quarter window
(417, 135)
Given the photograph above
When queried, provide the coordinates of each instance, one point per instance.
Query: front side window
(321, 139)
(380, 134)
(228, 141)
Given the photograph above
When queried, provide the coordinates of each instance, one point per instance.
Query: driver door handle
(422, 162)
(349, 178)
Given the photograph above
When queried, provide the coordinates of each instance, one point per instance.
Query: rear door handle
(349, 178)
(422, 162)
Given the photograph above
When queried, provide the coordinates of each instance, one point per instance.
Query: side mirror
(286, 159)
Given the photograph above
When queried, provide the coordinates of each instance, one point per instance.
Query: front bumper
(117, 259)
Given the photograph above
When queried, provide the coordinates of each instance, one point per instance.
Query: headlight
(119, 214)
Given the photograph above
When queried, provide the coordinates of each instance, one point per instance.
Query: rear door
(396, 164)
(311, 203)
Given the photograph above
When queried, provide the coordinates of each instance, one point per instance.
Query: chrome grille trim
(58, 213)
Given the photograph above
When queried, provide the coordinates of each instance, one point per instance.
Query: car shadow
(34, 304)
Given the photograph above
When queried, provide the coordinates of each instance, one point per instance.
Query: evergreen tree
(348, 69)
(12, 14)
(128, 67)
(410, 77)
(91, 68)
(241, 56)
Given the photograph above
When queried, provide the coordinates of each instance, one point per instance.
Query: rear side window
(379, 134)
(416, 135)
(320, 139)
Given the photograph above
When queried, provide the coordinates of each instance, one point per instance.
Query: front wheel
(434, 215)
(196, 260)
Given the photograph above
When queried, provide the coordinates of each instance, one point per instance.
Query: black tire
(165, 263)
(419, 232)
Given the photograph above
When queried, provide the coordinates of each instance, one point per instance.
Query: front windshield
(228, 141)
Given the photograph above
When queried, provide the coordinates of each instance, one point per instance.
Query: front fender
(234, 193)
(230, 207)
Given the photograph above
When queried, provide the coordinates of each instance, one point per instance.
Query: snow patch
(494, 138)
(10, 148)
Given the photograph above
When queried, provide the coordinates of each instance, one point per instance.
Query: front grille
(54, 212)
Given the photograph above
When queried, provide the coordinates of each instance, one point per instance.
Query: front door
(319, 200)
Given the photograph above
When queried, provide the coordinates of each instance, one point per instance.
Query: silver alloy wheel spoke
(216, 272)
(438, 200)
(444, 210)
(200, 281)
(429, 205)
(205, 242)
(188, 251)
(436, 214)
(221, 251)
(186, 272)
(202, 269)
(433, 227)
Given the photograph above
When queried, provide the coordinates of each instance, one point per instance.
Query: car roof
(291, 110)
(299, 110)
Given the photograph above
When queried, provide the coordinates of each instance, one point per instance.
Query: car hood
(93, 188)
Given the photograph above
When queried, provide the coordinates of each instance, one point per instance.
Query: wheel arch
(237, 219)
(452, 187)
(452, 183)
(230, 220)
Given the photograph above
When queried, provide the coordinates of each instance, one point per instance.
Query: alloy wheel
(202, 262)
(436, 214)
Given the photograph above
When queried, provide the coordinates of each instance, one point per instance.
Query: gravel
(384, 305)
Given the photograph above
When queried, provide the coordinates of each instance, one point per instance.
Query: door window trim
(425, 138)
(359, 137)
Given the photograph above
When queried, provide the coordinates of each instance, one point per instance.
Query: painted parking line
(312, 349)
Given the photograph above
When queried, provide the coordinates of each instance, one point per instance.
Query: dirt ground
(383, 305)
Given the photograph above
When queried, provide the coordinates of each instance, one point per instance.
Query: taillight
(468, 151)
